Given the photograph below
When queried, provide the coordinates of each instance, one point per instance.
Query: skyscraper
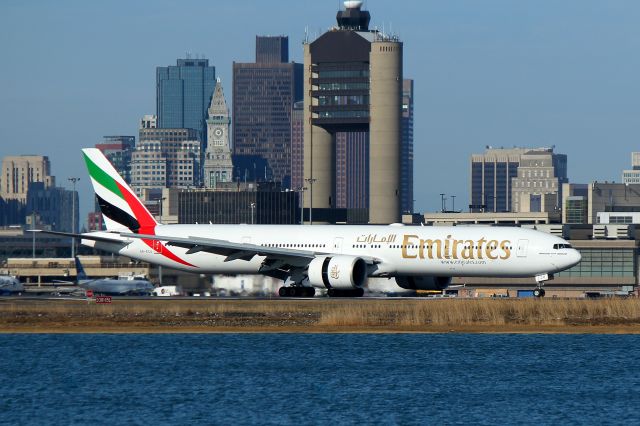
(218, 167)
(272, 49)
(538, 185)
(491, 175)
(166, 158)
(18, 172)
(406, 148)
(517, 180)
(118, 150)
(264, 93)
(353, 83)
(183, 93)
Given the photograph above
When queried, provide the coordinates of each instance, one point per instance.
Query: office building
(183, 93)
(118, 151)
(632, 176)
(18, 172)
(353, 83)
(272, 49)
(264, 93)
(52, 206)
(235, 203)
(517, 180)
(297, 146)
(491, 175)
(575, 203)
(406, 148)
(149, 121)
(166, 158)
(352, 170)
(218, 167)
(538, 185)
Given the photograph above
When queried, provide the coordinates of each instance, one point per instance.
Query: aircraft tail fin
(81, 274)
(121, 208)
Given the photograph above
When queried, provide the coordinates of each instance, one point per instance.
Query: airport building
(183, 93)
(601, 203)
(353, 83)
(264, 94)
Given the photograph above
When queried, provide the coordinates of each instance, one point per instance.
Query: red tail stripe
(147, 223)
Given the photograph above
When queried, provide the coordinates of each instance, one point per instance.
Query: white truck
(166, 291)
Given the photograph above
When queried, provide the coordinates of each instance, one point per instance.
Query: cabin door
(337, 245)
(157, 246)
(522, 248)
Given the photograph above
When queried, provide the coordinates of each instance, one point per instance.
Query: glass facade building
(264, 94)
(604, 262)
(118, 151)
(259, 207)
(183, 93)
(491, 175)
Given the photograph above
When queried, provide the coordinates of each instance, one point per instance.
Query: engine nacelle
(423, 283)
(339, 272)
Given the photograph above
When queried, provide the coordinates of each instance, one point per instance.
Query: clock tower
(217, 158)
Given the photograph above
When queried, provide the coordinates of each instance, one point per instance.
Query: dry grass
(486, 312)
(321, 315)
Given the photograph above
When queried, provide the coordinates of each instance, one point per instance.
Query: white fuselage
(398, 250)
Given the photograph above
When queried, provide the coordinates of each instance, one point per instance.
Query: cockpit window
(561, 246)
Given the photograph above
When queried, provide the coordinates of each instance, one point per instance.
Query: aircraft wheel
(538, 292)
(542, 292)
(282, 292)
(309, 291)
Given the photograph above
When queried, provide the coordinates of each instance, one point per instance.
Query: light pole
(310, 181)
(33, 234)
(161, 205)
(442, 202)
(73, 180)
(253, 213)
(301, 190)
(453, 205)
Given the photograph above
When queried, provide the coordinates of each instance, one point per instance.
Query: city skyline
(492, 73)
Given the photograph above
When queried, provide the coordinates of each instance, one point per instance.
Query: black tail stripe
(118, 215)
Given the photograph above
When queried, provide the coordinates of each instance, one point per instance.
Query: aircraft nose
(574, 258)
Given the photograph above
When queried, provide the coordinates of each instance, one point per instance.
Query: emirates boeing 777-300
(339, 258)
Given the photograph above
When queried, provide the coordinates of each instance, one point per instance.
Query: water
(319, 379)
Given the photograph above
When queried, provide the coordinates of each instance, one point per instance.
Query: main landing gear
(541, 279)
(296, 291)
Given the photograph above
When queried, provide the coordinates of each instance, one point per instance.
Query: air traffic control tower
(353, 82)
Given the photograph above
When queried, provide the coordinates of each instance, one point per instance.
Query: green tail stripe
(102, 177)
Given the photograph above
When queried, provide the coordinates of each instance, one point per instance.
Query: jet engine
(423, 282)
(337, 272)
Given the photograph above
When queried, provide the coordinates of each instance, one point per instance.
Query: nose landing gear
(540, 280)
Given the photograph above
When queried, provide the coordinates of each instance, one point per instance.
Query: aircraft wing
(87, 236)
(244, 251)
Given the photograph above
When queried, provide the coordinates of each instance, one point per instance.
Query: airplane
(10, 285)
(108, 286)
(338, 258)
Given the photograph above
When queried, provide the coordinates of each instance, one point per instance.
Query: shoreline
(373, 316)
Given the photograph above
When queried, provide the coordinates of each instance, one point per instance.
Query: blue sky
(491, 72)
